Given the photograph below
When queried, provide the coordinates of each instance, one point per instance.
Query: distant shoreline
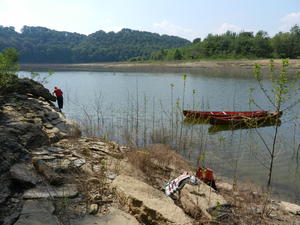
(233, 66)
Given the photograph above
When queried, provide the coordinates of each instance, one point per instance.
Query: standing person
(59, 97)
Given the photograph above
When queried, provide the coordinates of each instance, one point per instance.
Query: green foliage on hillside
(237, 45)
(42, 45)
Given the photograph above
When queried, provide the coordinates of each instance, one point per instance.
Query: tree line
(231, 45)
(43, 45)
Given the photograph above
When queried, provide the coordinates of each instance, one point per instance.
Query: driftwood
(46, 171)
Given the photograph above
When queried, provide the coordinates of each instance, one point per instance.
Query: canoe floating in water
(223, 114)
(245, 120)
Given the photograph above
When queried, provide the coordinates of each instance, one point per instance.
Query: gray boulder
(37, 212)
(196, 199)
(25, 174)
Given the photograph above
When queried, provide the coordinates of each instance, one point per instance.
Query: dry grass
(249, 206)
(253, 206)
(157, 162)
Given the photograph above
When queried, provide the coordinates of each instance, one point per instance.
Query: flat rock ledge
(114, 217)
(148, 205)
(40, 212)
(66, 191)
(37, 212)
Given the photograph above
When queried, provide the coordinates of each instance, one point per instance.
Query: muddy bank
(240, 68)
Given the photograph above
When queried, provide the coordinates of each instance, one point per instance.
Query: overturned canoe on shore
(223, 114)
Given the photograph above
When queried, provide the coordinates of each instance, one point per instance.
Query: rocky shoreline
(51, 175)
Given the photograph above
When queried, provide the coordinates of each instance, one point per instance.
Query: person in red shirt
(59, 97)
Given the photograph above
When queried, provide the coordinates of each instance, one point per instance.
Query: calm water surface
(145, 108)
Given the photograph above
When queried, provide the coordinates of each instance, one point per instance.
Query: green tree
(245, 44)
(295, 41)
(8, 67)
(178, 55)
(262, 45)
(281, 44)
(196, 40)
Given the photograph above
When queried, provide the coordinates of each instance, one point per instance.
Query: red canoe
(206, 114)
(245, 119)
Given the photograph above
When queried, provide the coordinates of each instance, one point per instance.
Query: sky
(189, 19)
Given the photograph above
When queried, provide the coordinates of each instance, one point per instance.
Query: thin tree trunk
(272, 155)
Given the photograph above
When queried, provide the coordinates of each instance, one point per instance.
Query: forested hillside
(42, 45)
(236, 46)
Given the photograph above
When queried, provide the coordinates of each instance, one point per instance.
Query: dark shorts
(60, 101)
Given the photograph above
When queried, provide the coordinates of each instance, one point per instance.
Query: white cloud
(228, 27)
(291, 18)
(165, 27)
(289, 21)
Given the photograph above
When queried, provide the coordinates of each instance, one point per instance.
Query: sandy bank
(236, 66)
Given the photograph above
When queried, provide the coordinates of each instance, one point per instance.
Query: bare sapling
(282, 95)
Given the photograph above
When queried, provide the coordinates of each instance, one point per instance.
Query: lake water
(145, 108)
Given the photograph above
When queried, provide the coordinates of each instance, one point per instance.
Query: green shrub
(8, 67)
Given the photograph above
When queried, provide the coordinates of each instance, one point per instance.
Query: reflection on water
(214, 128)
(230, 127)
(145, 108)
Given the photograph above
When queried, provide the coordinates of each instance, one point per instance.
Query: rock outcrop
(150, 205)
(87, 167)
(28, 119)
(25, 86)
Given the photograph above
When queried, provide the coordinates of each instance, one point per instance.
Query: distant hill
(231, 45)
(43, 45)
